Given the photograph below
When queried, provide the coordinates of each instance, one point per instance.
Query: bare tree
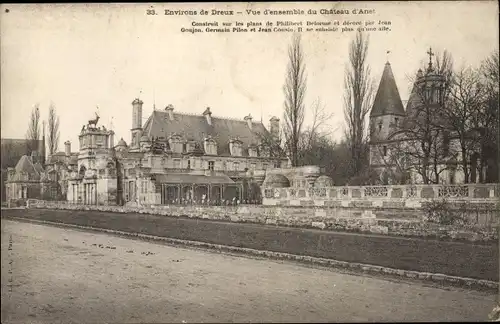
(461, 112)
(53, 136)
(358, 92)
(294, 90)
(489, 119)
(33, 133)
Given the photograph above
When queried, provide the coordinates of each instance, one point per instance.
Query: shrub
(443, 213)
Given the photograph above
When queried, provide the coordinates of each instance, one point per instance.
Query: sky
(83, 56)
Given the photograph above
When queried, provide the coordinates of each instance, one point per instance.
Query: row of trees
(468, 116)
(36, 129)
(313, 143)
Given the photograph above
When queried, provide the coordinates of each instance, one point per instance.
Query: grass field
(427, 255)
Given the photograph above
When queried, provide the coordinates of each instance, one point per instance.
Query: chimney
(248, 119)
(275, 127)
(208, 115)
(67, 148)
(170, 110)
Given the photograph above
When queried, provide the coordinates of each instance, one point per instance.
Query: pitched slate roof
(387, 100)
(196, 127)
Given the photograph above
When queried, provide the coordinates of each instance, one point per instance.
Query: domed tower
(387, 113)
(136, 130)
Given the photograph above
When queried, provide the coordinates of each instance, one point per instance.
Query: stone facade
(395, 131)
(173, 158)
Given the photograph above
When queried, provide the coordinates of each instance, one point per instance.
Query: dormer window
(379, 126)
(236, 147)
(210, 146)
(176, 144)
(252, 151)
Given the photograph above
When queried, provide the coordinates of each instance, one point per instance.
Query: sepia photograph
(250, 162)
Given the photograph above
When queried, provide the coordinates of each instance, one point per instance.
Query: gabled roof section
(25, 164)
(196, 128)
(387, 100)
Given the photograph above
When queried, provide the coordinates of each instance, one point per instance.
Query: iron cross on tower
(431, 54)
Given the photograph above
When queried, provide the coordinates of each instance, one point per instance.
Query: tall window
(236, 166)
(211, 165)
(189, 164)
(385, 150)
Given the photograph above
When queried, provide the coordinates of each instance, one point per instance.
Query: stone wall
(396, 221)
(404, 196)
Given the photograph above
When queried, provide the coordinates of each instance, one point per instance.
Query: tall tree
(358, 92)
(53, 136)
(490, 119)
(33, 133)
(294, 90)
(461, 111)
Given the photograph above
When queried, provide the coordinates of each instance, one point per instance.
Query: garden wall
(385, 221)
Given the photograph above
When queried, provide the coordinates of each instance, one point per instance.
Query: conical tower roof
(387, 100)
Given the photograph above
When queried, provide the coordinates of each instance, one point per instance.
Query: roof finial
(431, 54)
(154, 100)
(387, 55)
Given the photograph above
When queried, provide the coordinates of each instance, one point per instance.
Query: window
(189, 164)
(252, 166)
(53, 192)
(184, 147)
(385, 150)
(277, 164)
(379, 126)
(229, 165)
(211, 165)
(235, 148)
(252, 151)
(265, 166)
(177, 163)
(210, 147)
(396, 120)
(236, 166)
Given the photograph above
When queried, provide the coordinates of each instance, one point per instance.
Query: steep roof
(13, 149)
(25, 164)
(196, 128)
(387, 100)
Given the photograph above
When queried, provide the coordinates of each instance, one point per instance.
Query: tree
(358, 93)
(315, 134)
(424, 139)
(53, 136)
(33, 133)
(294, 90)
(489, 118)
(461, 111)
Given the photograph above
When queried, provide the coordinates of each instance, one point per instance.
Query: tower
(386, 115)
(136, 130)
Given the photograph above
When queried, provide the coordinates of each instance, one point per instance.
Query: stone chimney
(274, 127)
(67, 148)
(248, 119)
(170, 110)
(208, 115)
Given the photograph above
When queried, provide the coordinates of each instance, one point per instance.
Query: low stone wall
(394, 196)
(397, 222)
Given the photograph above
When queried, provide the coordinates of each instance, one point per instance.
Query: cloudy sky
(83, 56)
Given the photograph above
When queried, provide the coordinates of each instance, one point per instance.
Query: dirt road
(59, 275)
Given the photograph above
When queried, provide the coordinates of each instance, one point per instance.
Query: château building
(175, 158)
(414, 145)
